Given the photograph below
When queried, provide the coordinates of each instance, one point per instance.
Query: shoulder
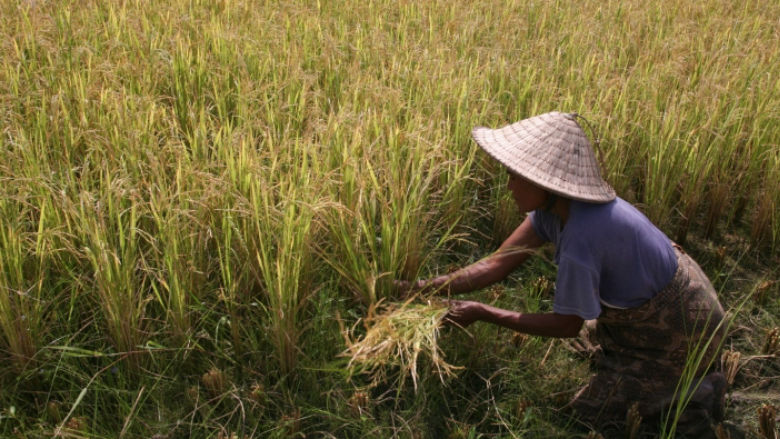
(618, 213)
(591, 228)
(587, 219)
(614, 231)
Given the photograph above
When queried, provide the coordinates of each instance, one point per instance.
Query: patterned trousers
(646, 350)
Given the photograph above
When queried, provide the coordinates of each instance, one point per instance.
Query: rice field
(198, 197)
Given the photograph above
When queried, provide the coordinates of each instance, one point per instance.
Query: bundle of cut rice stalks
(395, 337)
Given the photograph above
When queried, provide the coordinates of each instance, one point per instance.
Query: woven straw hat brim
(552, 151)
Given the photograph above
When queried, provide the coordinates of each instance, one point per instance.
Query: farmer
(654, 307)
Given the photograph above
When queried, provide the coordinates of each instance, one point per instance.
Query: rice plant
(383, 227)
(279, 231)
(22, 302)
(108, 227)
(178, 251)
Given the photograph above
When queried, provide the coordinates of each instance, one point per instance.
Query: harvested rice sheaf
(394, 339)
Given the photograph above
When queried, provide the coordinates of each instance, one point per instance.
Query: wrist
(429, 285)
(482, 312)
(424, 285)
(486, 313)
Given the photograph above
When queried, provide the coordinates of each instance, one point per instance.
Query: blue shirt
(607, 254)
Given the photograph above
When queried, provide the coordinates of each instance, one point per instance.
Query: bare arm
(491, 269)
(464, 313)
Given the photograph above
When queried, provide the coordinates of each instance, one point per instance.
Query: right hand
(463, 313)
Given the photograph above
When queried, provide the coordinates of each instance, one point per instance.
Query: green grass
(193, 194)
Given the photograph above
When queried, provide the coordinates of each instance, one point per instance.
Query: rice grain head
(395, 338)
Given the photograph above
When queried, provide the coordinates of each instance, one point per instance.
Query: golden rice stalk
(633, 421)
(721, 432)
(730, 364)
(766, 421)
(772, 342)
(395, 338)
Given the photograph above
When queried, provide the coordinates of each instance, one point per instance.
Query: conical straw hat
(552, 151)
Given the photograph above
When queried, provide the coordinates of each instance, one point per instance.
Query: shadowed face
(527, 195)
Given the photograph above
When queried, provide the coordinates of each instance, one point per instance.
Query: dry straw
(394, 339)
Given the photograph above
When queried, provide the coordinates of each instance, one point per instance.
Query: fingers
(459, 314)
(452, 314)
(451, 319)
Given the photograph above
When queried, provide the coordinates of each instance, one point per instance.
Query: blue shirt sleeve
(577, 282)
(540, 223)
(576, 289)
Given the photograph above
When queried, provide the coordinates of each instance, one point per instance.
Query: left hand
(464, 312)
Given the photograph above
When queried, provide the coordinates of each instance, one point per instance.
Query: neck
(559, 206)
